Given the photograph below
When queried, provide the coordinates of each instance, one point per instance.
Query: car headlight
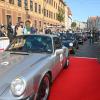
(70, 44)
(18, 86)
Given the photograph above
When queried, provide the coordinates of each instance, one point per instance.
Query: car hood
(12, 65)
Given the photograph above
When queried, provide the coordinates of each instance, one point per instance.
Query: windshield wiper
(19, 53)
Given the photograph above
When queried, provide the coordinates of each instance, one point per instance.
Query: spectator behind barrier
(2, 31)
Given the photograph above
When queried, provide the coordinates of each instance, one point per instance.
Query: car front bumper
(71, 50)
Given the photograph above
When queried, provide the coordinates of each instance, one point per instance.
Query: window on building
(44, 12)
(9, 19)
(40, 9)
(31, 5)
(59, 2)
(47, 1)
(51, 14)
(35, 7)
(51, 2)
(19, 3)
(26, 4)
(47, 13)
(35, 23)
(40, 24)
(54, 4)
(2, 0)
(58, 8)
(11, 1)
(54, 15)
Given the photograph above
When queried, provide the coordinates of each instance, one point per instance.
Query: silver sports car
(29, 65)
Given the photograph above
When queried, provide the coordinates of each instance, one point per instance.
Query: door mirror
(58, 51)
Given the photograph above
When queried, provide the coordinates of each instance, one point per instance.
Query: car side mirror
(58, 51)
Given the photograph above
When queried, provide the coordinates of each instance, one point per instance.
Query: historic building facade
(93, 23)
(40, 12)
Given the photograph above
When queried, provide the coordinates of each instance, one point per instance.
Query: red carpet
(81, 81)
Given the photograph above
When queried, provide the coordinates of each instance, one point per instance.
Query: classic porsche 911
(29, 65)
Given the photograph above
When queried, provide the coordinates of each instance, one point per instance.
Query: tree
(73, 25)
(61, 15)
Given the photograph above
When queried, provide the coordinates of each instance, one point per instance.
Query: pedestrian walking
(91, 38)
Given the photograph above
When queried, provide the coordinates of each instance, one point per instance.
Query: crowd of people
(20, 28)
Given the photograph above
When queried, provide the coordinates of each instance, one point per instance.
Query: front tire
(67, 63)
(44, 88)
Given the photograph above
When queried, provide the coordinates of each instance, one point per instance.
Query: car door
(58, 56)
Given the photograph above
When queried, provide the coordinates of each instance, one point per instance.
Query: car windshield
(70, 36)
(34, 44)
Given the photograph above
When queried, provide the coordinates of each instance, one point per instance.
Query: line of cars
(72, 40)
(29, 65)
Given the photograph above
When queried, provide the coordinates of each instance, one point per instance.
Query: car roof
(48, 35)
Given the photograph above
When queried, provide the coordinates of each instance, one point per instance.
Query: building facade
(93, 23)
(69, 18)
(81, 26)
(66, 18)
(40, 12)
(98, 23)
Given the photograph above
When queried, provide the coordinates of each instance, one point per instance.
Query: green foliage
(61, 15)
(73, 25)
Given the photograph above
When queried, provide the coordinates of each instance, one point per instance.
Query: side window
(57, 43)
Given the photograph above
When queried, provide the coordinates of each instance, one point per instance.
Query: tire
(44, 88)
(66, 64)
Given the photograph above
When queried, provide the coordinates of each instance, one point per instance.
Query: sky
(82, 9)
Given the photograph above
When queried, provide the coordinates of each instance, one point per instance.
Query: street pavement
(89, 50)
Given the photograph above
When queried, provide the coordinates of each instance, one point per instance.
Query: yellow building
(40, 12)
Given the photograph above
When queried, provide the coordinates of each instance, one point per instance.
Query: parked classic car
(29, 65)
(79, 38)
(69, 40)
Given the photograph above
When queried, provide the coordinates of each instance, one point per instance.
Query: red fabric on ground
(81, 81)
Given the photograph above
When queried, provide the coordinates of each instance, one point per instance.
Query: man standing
(27, 29)
(10, 32)
(91, 38)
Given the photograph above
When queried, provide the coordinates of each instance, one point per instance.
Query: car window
(57, 43)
